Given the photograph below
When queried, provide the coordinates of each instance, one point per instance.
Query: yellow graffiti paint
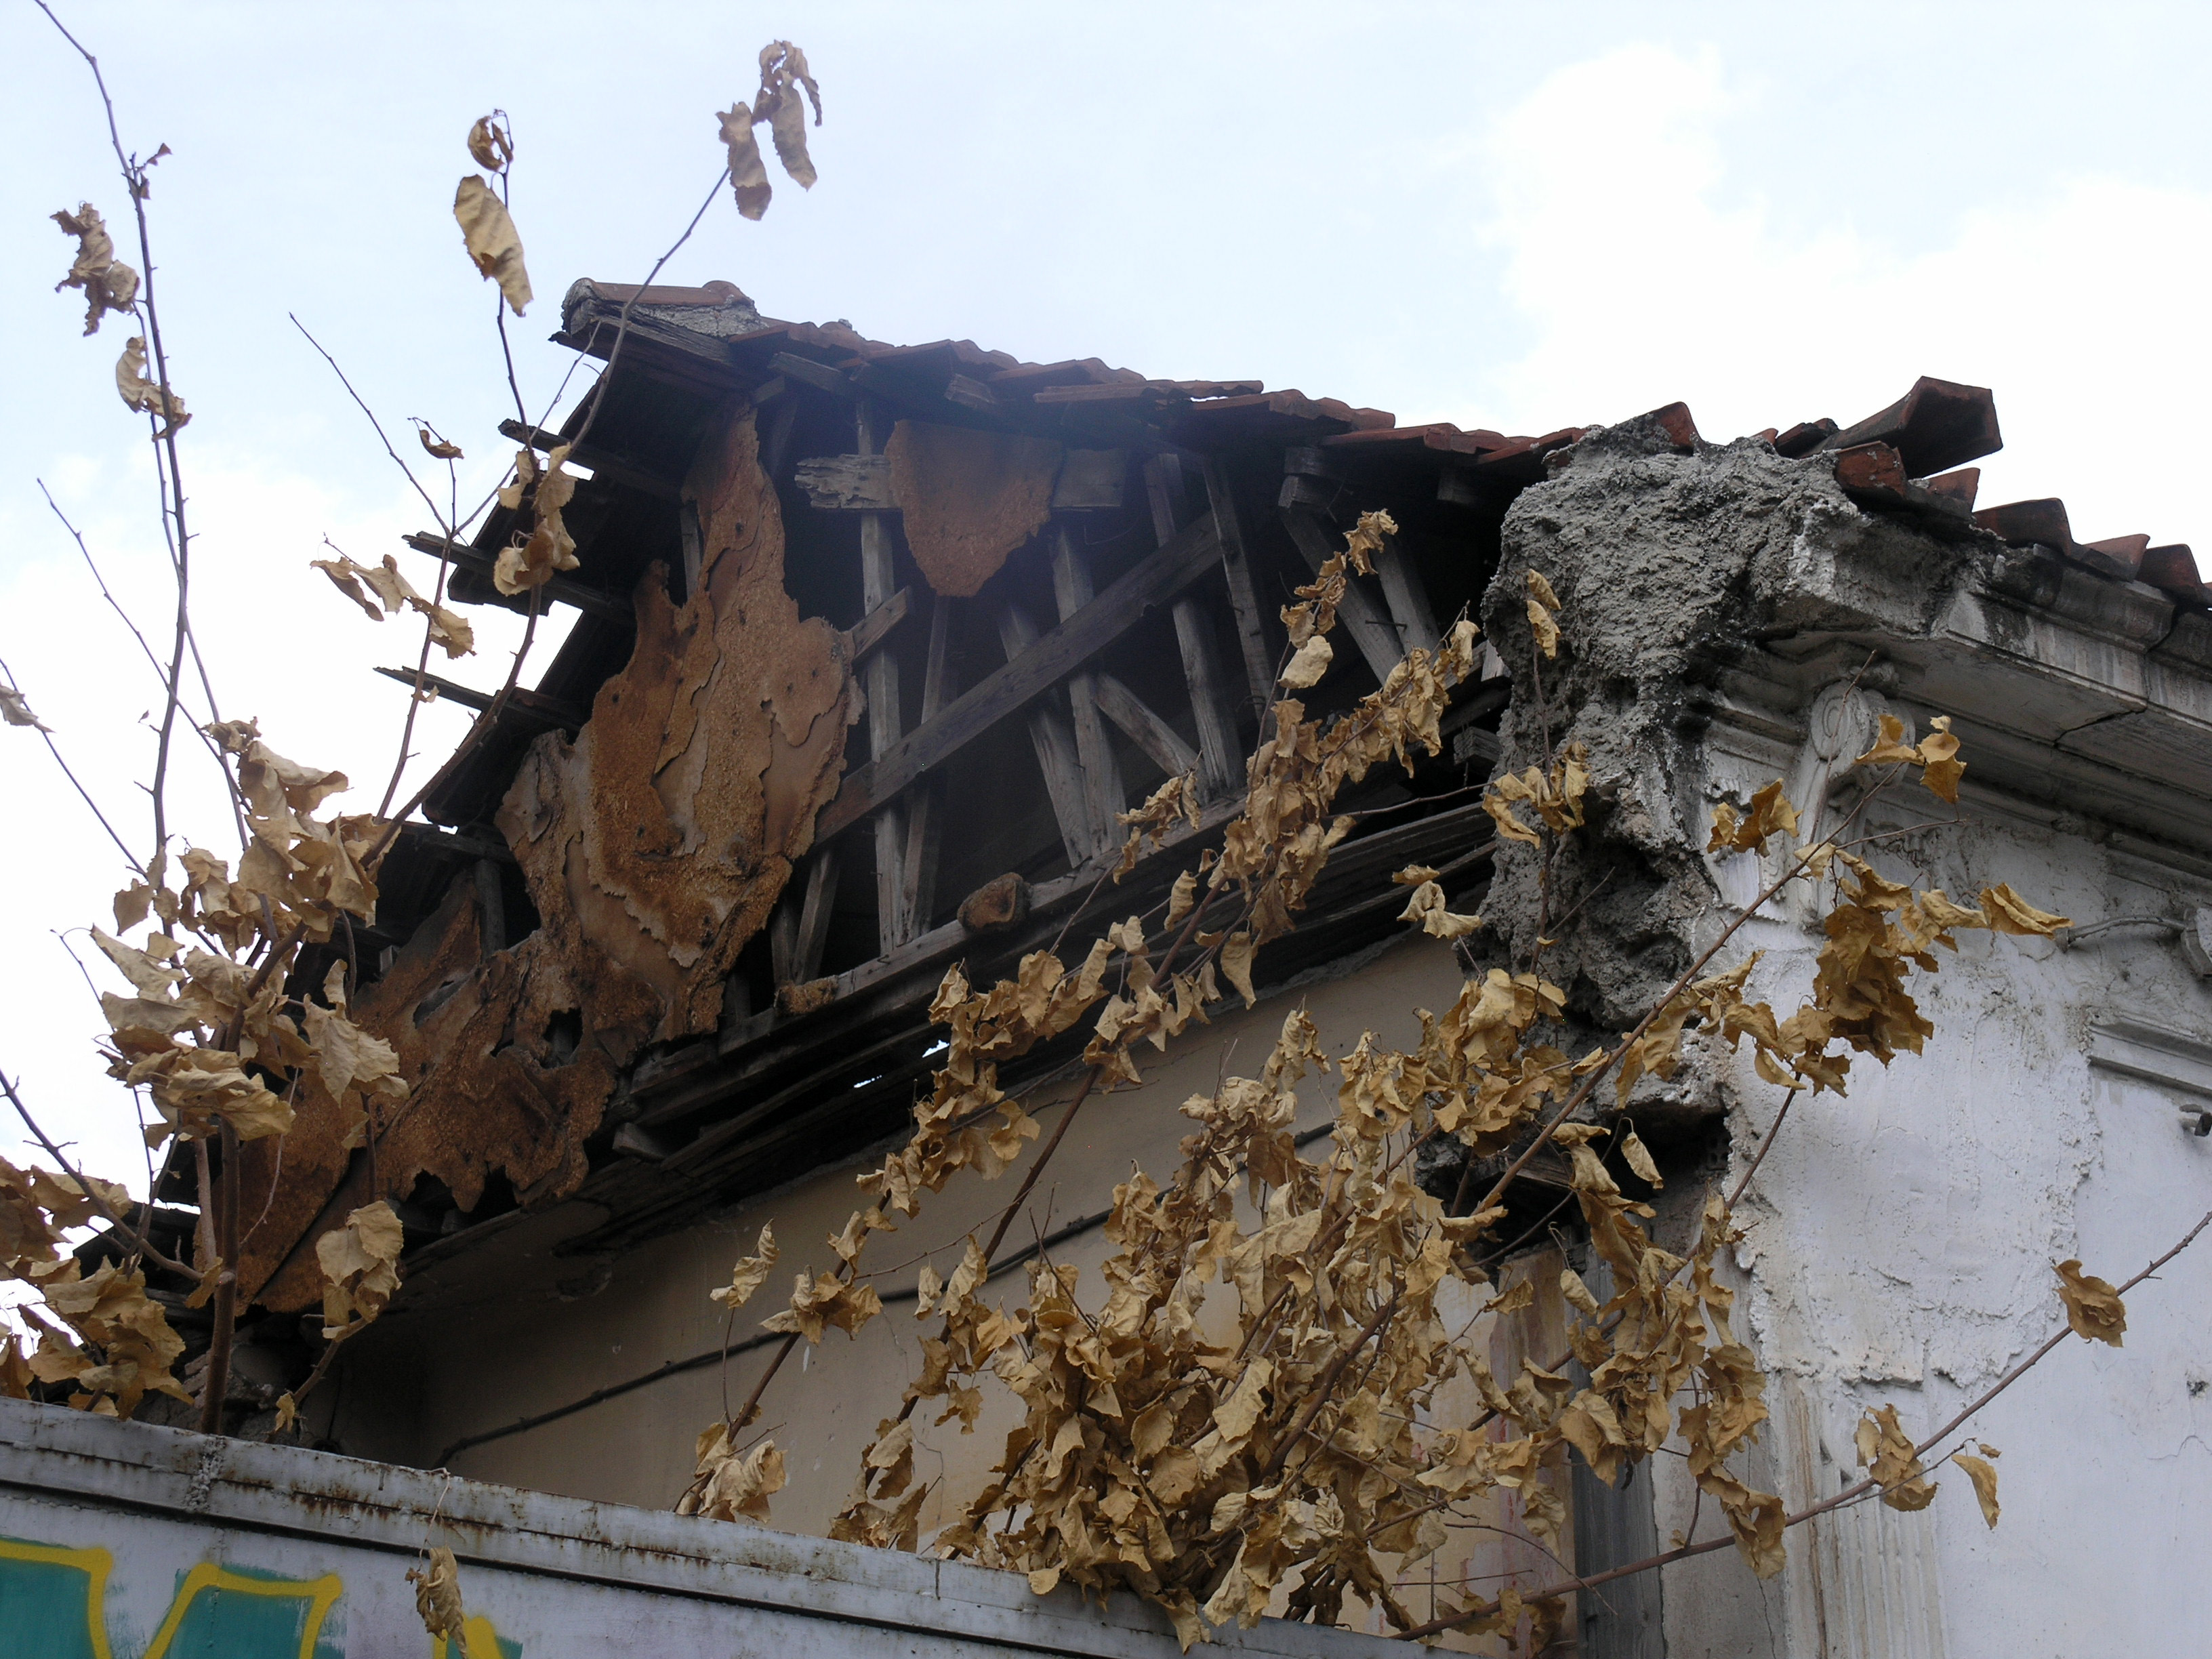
(479, 1640)
(95, 1564)
(318, 1593)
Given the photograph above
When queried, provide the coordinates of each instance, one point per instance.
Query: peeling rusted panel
(654, 846)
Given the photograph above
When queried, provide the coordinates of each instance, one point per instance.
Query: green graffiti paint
(238, 1612)
(52, 1601)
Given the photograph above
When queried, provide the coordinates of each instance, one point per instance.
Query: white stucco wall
(1899, 1248)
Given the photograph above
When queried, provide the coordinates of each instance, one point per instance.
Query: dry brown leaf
(108, 283)
(1577, 1294)
(1984, 1477)
(438, 1595)
(15, 709)
(2094, 1308)
(493, 241)
(1637, 1157)
(144, 395)
(345, 576)
(361, 1269)
(1427, 907)
(491, 145)
(1308, 663)
(729, 1484)
(1237, 966)
(783, 72)
(1887, 1452)
(2008, 913)
(1770, 814)
(748, 177)
(438, 446)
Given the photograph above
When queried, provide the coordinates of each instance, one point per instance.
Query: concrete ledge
(146, 1493)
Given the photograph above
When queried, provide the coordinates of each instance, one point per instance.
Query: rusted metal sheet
(141, 1543)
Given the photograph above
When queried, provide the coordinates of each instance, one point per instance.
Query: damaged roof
(873, 641)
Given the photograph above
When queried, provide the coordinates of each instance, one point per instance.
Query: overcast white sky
(1515, 216)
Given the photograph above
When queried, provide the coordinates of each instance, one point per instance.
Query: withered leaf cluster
(783, 72)
(393, 590)
(547, 548)
(98, 1331)
(486, 228)
(108, 283)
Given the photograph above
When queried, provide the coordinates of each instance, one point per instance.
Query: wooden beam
(971, 394)
(776, 444)
(925, 810)
(1405, 594)
(814, 912)
(491, 908)
(598, 462)
(820, 376)
(847, 483)
(872, 629)
(1376, 639)
(1155, 581)
(1057, 756)
(1144, 728)
(1091, 480)
(690, 533)
(1218, 747)
(879, 679)
(1102, 792)
(1252, 637)
(536, 705)
(560, 590)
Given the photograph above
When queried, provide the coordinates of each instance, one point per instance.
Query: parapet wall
(123, 1540)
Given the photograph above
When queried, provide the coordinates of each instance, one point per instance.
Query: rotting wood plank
(820, 376)
(551, 711)
(879, 680)
(1102, 792)
(1155, 581)
(885, 988)
(693, 537)
(925, 811)
(559, 589)
(814, 911)
(1091, 480)
(791, 1099)
(599, 463)
(1054, 741)
(870, 631)
(1376, 639)
(1159, 740)
(1252, 636)
(656, 350)
(1217, 746)
(776, 446)
(847, 483)
(1407, 595)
